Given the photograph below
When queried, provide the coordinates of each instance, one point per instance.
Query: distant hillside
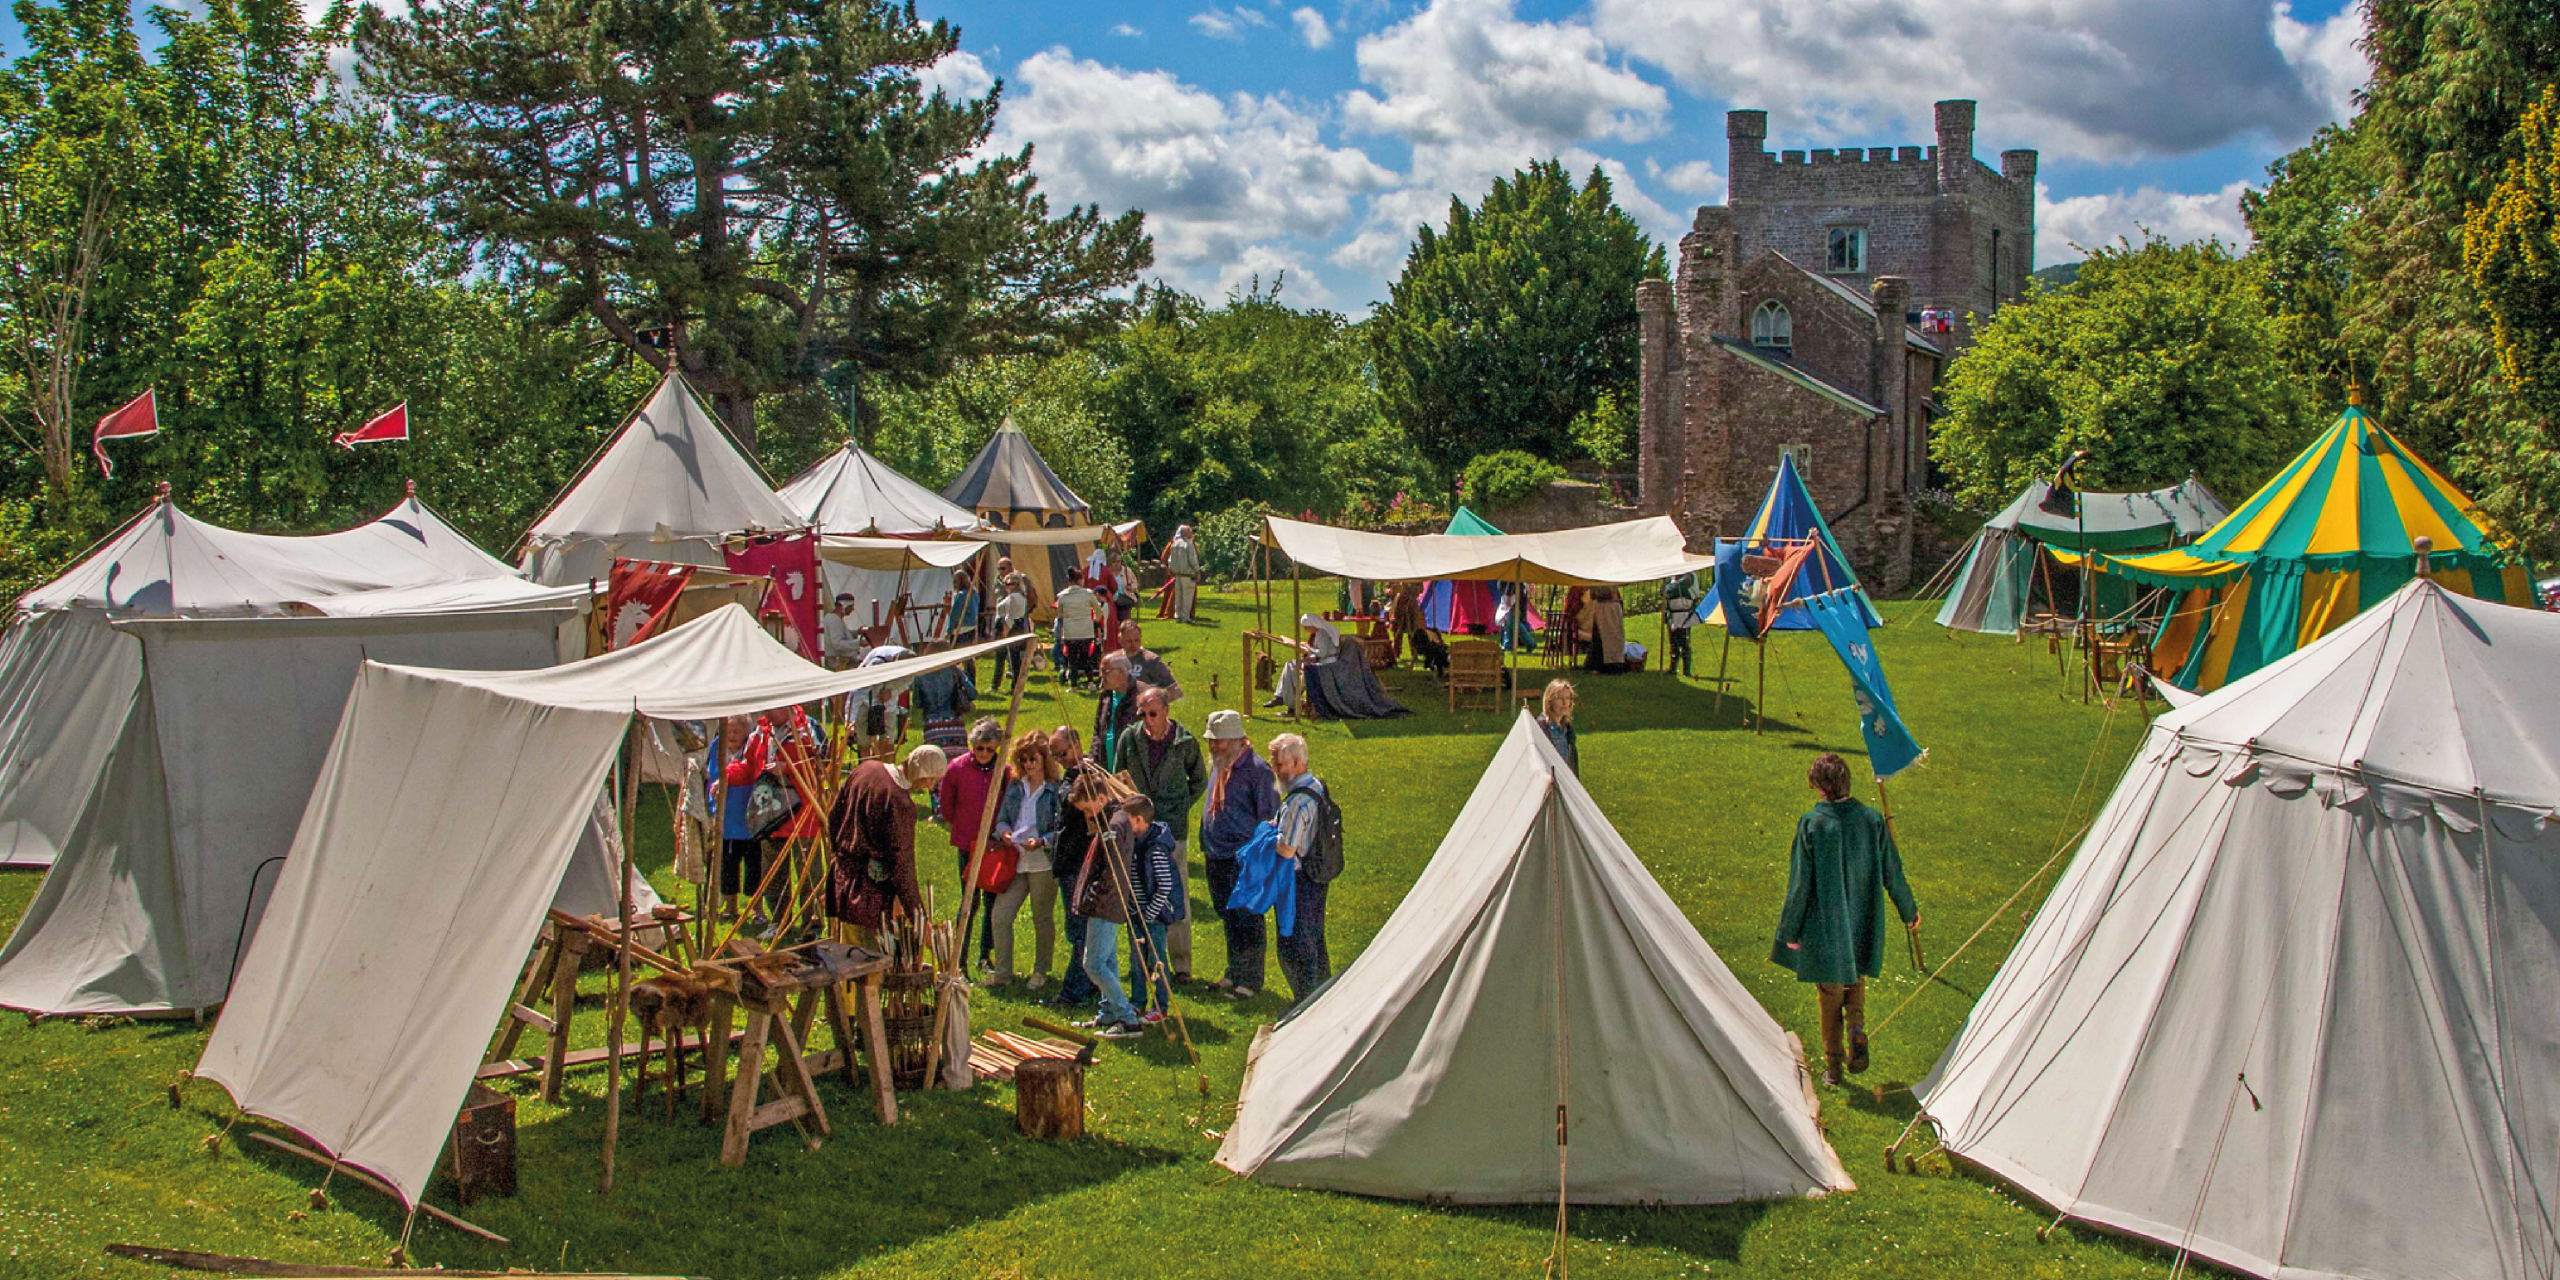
(2058, 275)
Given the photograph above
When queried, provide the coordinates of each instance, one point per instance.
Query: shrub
(1226, 540)
(1507, 478)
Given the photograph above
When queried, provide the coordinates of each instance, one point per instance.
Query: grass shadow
(788, 1210)
(1711, 1233)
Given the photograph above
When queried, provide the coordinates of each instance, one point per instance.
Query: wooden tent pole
(1760, 714)
(621, 1002)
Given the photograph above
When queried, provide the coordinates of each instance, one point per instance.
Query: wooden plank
(564, 1002)
(577, 1058)
(791, 1071)
(532, 1017)
(742, 1098)
(778, 1111)
(377, 1184)
(875, 1037)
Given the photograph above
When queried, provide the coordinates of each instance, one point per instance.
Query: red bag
(996, 867)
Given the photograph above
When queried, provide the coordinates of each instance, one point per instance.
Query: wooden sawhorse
(780, 1007)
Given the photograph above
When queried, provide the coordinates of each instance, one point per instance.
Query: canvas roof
(1009, 478)
(2285, 1007)
(166, 563)
(2357, 498)
(436, 836)
(1428, 1070)
(1628, 551)
(2115, 521)
(671, 472)
(850, 491)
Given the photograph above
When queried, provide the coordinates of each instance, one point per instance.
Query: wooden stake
(1721, 660)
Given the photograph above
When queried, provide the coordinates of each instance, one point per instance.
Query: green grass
(90, 1150)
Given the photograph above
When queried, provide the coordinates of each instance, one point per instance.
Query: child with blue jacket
(1157, 883)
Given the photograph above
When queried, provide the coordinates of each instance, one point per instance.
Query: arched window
(1772, 327)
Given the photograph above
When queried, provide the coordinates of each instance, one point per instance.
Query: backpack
(1324, 859)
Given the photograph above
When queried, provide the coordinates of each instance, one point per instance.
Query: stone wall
(1563, 504)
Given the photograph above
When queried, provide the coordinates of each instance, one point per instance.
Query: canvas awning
(1629, 551)
(892, 555)
(1059, 537)
(443, 818)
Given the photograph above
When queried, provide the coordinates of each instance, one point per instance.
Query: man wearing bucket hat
(1242, 796)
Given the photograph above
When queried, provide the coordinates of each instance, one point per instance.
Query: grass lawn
(91, 1151)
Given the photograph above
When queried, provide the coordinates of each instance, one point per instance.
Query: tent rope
(2062, 845)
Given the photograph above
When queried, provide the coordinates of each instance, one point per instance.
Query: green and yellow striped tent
(2333, 534)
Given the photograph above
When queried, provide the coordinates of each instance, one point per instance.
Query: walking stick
(986, 818)
(1721, 660)
(1149, 962)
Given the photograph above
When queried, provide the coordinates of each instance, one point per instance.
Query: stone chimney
(1744, 132)
(1659, 443)
(1955, 145)
(1892, 369)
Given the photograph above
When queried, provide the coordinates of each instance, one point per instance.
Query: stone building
(1812, 315)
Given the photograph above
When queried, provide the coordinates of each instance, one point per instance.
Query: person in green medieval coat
(1831, 932)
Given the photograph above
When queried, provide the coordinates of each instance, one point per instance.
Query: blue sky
(1310, 137)
(1271, 135)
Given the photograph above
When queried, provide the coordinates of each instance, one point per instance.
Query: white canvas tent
(439, 830)
(852, 492)
(877, 571)
(1429, 1068)
(669, 487)
(2290, 1005)
(67, 679)
(158, 761)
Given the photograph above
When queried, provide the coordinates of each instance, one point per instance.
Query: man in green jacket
(1163, 760)
(1831, 932)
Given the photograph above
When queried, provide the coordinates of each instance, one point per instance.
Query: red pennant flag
(643, 593)
(139, 417)
(392, 424)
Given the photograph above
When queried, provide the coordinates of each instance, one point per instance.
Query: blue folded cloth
(1265, 880)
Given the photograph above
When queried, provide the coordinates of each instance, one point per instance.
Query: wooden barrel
(906, 1004)
(1048, 1099)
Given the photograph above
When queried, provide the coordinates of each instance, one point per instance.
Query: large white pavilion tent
(2289, 1006)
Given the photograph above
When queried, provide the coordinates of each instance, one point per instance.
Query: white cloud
(1658, 221)
(1313, 31)
(1477, 93)
(2095, 79)
(2067, 228)
(1269, 266)
(1227, 24)
(959, 75)
(1125, 30)
(1691, 177)
(1217, 177)
(2325, 55)
(1468, 72)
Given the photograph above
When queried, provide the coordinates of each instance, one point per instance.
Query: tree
(1510, 322)
(2162, 360)
(930, 433)
(2511, 254)
(2451, 78)
(2298, 226)
(1251, 401)
(754, 191)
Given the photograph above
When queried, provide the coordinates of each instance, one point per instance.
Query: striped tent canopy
(2335, 533)
(1787, 518)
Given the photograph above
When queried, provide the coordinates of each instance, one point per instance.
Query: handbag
(770, 803)
(996, 867)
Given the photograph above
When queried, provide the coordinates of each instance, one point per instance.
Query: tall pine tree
(755, 192)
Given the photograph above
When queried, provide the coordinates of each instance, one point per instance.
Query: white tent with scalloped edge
(1535, 964)
(2290, 1005)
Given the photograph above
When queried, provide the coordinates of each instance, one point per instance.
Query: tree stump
(1049, 1098)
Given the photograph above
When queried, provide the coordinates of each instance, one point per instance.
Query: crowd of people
(1090, 831)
